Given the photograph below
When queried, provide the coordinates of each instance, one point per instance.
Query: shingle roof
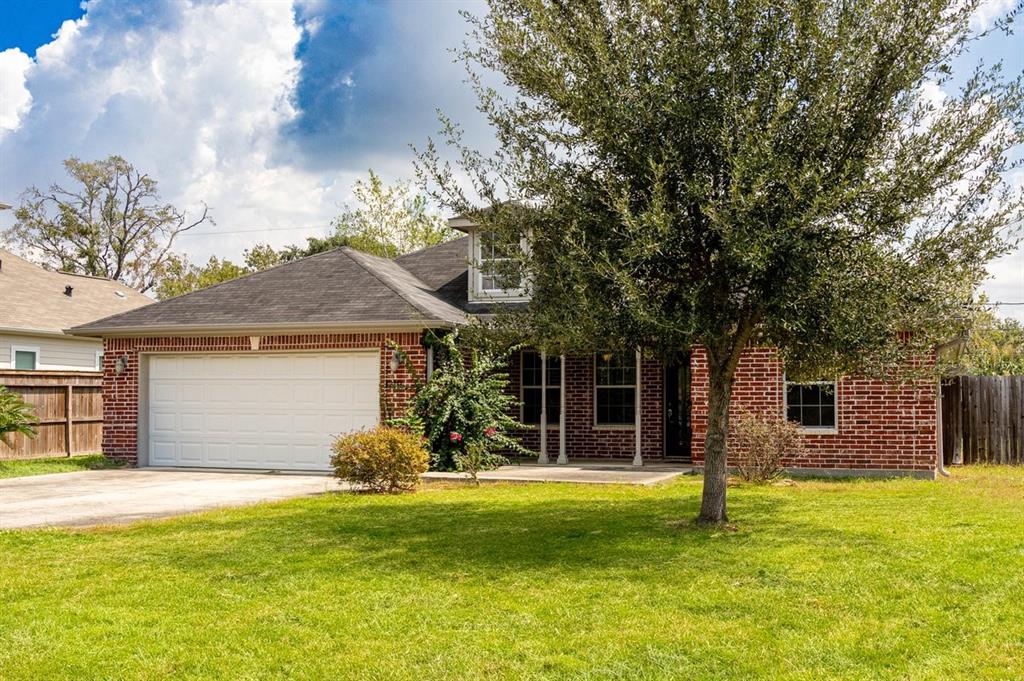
(444, 268)
(339, 288)
(34, 299)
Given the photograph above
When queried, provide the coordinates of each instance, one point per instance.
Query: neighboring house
(37, 305)
(261, 371)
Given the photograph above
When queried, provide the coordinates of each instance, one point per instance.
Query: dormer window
(495, 268)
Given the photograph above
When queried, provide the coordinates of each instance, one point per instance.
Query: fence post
(68, 417)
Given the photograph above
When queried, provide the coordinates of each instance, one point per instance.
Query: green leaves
(467, 395)
(16, 416)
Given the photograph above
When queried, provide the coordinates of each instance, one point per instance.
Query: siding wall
(55, 354)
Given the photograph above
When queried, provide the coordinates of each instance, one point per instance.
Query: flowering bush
(465, 407)
(385, 459)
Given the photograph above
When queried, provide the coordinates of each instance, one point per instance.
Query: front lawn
(900, 579)
(62, 464)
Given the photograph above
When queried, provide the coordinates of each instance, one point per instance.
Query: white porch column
(638, 459)
(562, 458)
(543, 425)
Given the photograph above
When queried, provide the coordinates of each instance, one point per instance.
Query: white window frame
(15, 349)
(523, 387)
(635, 385)
(812, 430)
(477, 292)
(99, 360)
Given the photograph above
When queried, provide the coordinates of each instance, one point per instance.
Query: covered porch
(604, 408)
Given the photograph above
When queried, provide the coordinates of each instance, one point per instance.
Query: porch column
(562, 458)
(638, 459)
(543, 425)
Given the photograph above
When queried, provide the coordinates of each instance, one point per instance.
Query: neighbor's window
(615, 389)
(812, 405)
(531, 388)
(496, 265)
(25, 358)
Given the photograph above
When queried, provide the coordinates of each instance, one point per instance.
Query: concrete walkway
(585, 473)
(122, 496)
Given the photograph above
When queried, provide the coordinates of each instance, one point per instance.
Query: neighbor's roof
(342, 288)
(32, 299)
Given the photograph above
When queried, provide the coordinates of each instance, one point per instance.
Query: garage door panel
(275, 411)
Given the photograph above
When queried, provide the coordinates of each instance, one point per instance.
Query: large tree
(112, 223)
(712, 173)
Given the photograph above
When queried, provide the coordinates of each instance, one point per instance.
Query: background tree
(995, 346)
(112, 224)
(181, 276)
(707, 173)
(389, 220)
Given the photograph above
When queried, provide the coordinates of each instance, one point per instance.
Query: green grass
(853, 580)
(64, 464)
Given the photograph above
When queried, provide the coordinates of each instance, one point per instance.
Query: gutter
(250, 329)
(49, 333)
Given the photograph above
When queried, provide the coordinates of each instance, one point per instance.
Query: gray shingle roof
(34, 299)
(339, 288)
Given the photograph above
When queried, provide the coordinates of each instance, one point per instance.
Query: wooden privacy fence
(983, 419)
(69, 408)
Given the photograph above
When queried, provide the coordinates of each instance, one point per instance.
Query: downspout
(940, 463)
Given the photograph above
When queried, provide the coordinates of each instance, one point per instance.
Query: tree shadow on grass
(466, 534)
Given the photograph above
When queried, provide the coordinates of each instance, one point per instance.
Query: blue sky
(267, 111)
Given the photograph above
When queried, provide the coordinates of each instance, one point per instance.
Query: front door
(677, 410)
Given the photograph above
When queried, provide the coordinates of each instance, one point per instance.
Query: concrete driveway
(121, 496)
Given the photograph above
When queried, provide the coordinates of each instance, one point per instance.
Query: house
(37, 305)
(261, 371)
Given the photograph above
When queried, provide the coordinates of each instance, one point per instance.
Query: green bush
(385, 459)
(465, 409)
(16, 416)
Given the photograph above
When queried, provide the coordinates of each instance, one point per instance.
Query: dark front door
(677, 410)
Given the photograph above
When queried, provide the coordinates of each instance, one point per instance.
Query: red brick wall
(880, 425)
(121, 392)
(586, 440)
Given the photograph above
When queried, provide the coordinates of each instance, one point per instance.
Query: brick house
(261, 371)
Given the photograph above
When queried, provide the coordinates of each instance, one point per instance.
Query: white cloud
(989, 11)
(194, 94)
(15, 99)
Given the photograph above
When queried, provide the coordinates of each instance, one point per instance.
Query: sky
(266, 111)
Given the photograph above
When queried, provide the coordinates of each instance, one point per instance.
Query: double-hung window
(532, 387)
(812, 405)
(497, 268)
(614, 389)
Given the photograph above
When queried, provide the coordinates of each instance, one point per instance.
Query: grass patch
(819, 579)
(63, 464)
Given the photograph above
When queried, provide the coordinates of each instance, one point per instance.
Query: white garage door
(269, 411)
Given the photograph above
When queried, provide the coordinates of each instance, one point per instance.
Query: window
(99, 360)
(24, 358)
(531, 387)
(615, 389)
(812, 405)
(497, 268)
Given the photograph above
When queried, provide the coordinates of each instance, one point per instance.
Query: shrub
(465, 409)
(16, 416)
(758, 445)
(385, 459)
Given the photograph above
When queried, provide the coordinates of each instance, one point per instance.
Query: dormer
(493, 275)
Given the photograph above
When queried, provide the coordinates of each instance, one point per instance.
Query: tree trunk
(712, 505)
